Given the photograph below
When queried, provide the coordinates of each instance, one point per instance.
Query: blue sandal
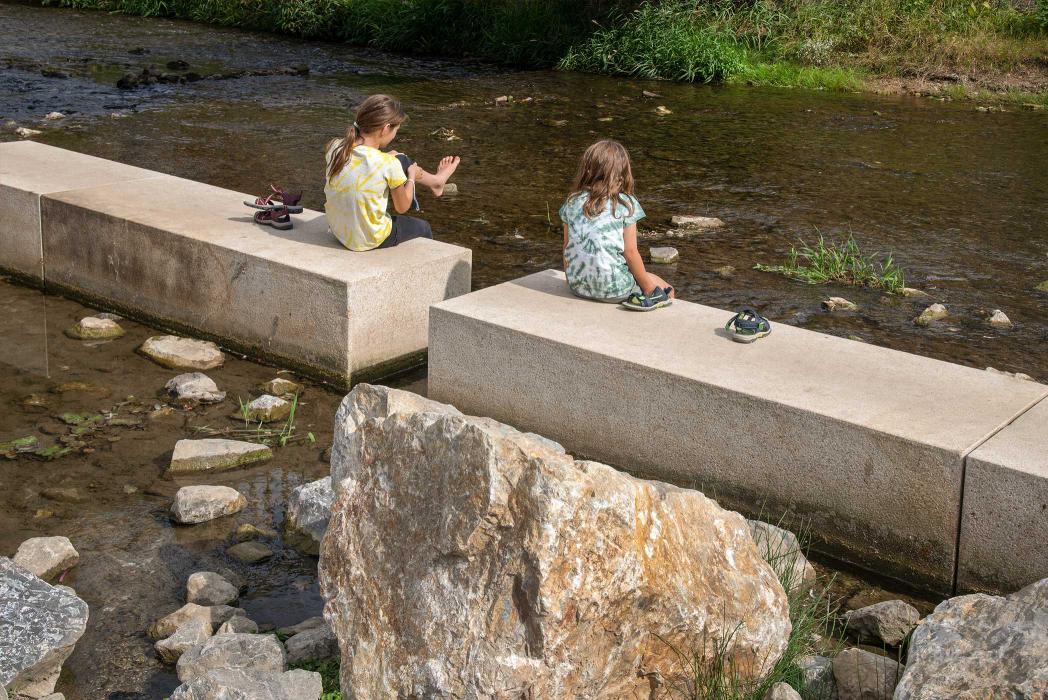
(658, 298)
(747, 326)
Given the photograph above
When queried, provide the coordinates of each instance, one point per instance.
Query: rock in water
(997, 646)
(248, 652)
(46, 557)
(26, 133)
(198, 504)
(451, 189)
(39, 626)
(725, 271)
(999, 319)
(264, 409)
(696, 222)
(209, 588)
(861, 675)
(517, 567)
(215, 455)
(193, 632)
(94, 328)
(182, 353)
(215, 615)
(250, 552)
(888, 622)
(308, 512)
(225, 684)
(195, 386)
(934, 312)
(284, 388)
(782, 551)
(663, 255)
(839, 304)
(911, 293)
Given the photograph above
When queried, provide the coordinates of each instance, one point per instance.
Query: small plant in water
(282, 436)
(842, 263)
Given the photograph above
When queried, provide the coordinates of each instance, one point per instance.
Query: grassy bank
(969, 46)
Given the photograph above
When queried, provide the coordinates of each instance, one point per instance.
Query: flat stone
(696, 221)
(888, 622)
(215, 615)
(199, 504)
(47, 557)
(999, 319)
(316, 644)
(238, 684)
(26, 132)
(935, 312)
(250, 552)
(215, 454)
(981, 646)
(663, 255)
(308, 512)
(195, 386)
(911, 293)
(209, 588)
(238, 624)
(861, 675)
(307, 624)
(248, 652)
(782, 691)
(781, 549)
(93, 328)
(174, 352)
(284, 388)
(264, 409)
(63, 494)
(839, 304)
(193, 632)
(39, 626)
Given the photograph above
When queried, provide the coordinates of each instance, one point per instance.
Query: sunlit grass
(841, 263)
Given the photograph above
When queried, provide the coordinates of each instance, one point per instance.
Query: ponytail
(373, 114)
(340, 151)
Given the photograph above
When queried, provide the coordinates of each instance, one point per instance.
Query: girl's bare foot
(447, 166)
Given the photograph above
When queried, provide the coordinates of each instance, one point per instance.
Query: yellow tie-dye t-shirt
(358, 196)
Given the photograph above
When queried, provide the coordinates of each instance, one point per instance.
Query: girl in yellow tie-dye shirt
(361, 177)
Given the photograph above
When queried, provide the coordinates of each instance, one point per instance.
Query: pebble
(686, 221)
(998, 319)
(662, 111)
(934, 312)
(839, 304)
(911, 293)
(664, 255)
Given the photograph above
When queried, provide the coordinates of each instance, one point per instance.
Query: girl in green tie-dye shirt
(600, 216)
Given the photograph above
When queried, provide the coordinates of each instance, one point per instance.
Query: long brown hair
(372, 114)
(604, 174)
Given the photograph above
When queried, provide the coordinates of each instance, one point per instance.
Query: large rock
(782, 550)
(888, 622)
(516, 569)
(308, 512)
(215, 615)
(209, 588)
(195, 386)
(46, 557)
(249, 652)
(316, 644)
(237, 684)
(215, 455)
(981, 646)
(39, 626)
(193, 632)
(198, 504)
(182, 353)
(862, 675)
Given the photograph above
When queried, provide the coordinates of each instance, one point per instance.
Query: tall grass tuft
(840, 263)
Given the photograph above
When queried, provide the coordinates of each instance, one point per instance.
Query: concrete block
(188, 256)
(28, 170)
(865, 443)
(1004, 529)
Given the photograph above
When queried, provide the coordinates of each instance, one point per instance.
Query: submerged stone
(215, 454)
(94, 328)
(174, 352)
(250, 552)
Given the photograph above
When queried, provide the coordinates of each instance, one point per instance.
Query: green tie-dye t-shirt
(594, 261)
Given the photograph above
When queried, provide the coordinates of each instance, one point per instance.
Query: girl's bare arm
(645, 280)
(403, 195)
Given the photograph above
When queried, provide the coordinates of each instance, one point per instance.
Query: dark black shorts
(406, 227)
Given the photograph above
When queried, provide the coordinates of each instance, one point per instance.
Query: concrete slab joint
(865, 444)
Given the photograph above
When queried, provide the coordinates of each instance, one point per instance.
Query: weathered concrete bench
(867, 444)
(187, 256)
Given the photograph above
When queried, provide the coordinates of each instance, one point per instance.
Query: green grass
(839, 263)
(281, 436)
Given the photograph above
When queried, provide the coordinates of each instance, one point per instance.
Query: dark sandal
(277, 218)
(658, 298)
(747, 326)
(279, 199)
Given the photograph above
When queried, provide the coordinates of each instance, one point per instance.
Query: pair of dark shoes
(659, 297)
(276, 208)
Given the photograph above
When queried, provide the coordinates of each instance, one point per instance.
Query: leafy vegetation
(841, 263)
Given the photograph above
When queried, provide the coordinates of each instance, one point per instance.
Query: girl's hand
(414, 171)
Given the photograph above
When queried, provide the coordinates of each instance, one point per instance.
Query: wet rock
(888, 622)
(215, 455)
(861, 675)
(264, 409)
(215, 615)
(39, 626)
(177, 65)
(817, 674)
(998, 319)
(86, 388)
(247, 531)
(308, 512)
(1042, 287)
(250, 552)
(839, 304)
(450, 190)
(575, 555)
(782, 691)
(502, 99)
(663, 255)
(223, 684)
(696, 222)
(35, 402)
(195, 386)
(781, 549)
(911, 293)
(1015, 375)
(26, 133)
(663, 111)
(284, 388)
(995, 644)
(174, 352)
(46, 557)
(318, 643)
(247, 652)
(193, 632)
(199, 504)
(63, 494)
(933, 313)
(725, 271)
(238, 624)
(53, 116)
(209, 588)
(307, 624)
